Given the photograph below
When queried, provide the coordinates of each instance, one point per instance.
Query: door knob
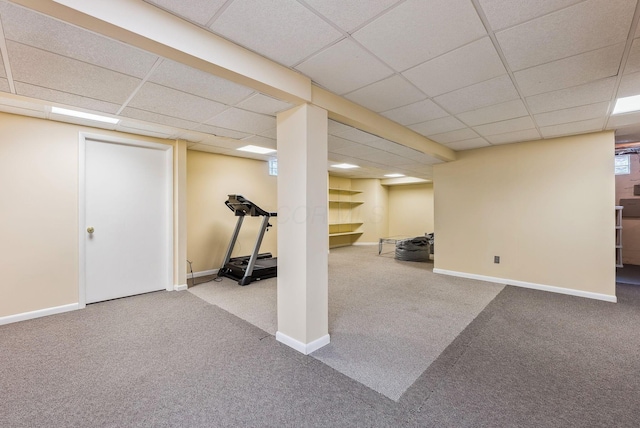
(90, 229)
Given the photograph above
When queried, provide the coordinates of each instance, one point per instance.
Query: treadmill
(255, 266)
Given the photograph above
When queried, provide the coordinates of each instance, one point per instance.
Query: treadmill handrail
(241, 206)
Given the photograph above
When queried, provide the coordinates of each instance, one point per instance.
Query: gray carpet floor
(170, 359)
(388, 319)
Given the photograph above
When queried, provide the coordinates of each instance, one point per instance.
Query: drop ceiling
(464, 73)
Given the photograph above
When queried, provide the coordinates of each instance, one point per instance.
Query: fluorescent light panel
(344, 166)
(256, 149)
(394, 175)
(627, 104)
(83, 115)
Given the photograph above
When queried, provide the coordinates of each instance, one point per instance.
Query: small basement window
(622, 164)
(273, 166)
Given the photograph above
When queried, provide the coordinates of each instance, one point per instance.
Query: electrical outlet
(496, 259)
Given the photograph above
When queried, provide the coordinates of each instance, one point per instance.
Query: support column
(303, 242)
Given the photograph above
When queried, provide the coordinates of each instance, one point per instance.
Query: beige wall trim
(304, 348)
(205, 273)
(38, 314)
(350, 113)
(181, 287)
(523, 284)
(150, 28)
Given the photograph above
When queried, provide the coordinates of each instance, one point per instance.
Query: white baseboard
(365, 243)
(542, 287)
(180, 287)
(39, 313)
(304, 348)
(203, 273)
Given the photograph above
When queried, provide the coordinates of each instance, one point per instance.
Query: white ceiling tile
(196, 82)
(257, 140)
(244, 121)
(264, 104)
(490, 92)
(574, 114)
(344, 67)
(198, 11)
(350, 14)
(65, 98)
(157, 118)
(511, 125)
(572, 71)
(335, 144)
(633, 61)
(270, 133)
(386, 94)
(437, 126)
(514, 137)
(30, 28)
(453, 136)
(590, 93)
(629, 85)
(414, 113)
(472, 63)
(222, 132)
(403, 41)
(190, 144)
(68, 75)
(355, 150)
(583, 27)
(506, 13)
(581, 127)
(170, 102)
(357, 135)
(335, 128)
(620, 120)
(384, 158)
(474, 143)
(284, 31)
(494, 113)
(4, 85)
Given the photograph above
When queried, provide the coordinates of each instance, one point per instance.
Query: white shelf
(345, 191)
(344, 234)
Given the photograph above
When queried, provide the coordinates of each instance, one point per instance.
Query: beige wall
(210, 224)
(545, 207)
(411, 209)
(630, 225)
(374, 210)
(39, 212)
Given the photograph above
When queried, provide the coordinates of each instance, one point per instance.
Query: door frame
(82, 168)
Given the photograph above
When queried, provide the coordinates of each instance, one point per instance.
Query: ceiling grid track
(496, 45)
(5, 60)
(623, 62)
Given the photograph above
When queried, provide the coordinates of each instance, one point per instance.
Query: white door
(127, 219)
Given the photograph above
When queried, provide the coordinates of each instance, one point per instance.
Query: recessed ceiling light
(627, 104)
(256, 149)
(394, 175)
(83, 115)
(344, 166)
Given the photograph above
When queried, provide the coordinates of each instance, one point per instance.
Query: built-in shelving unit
(618, 236)
(343, 216)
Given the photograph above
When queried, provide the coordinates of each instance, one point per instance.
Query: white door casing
(126, 196)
